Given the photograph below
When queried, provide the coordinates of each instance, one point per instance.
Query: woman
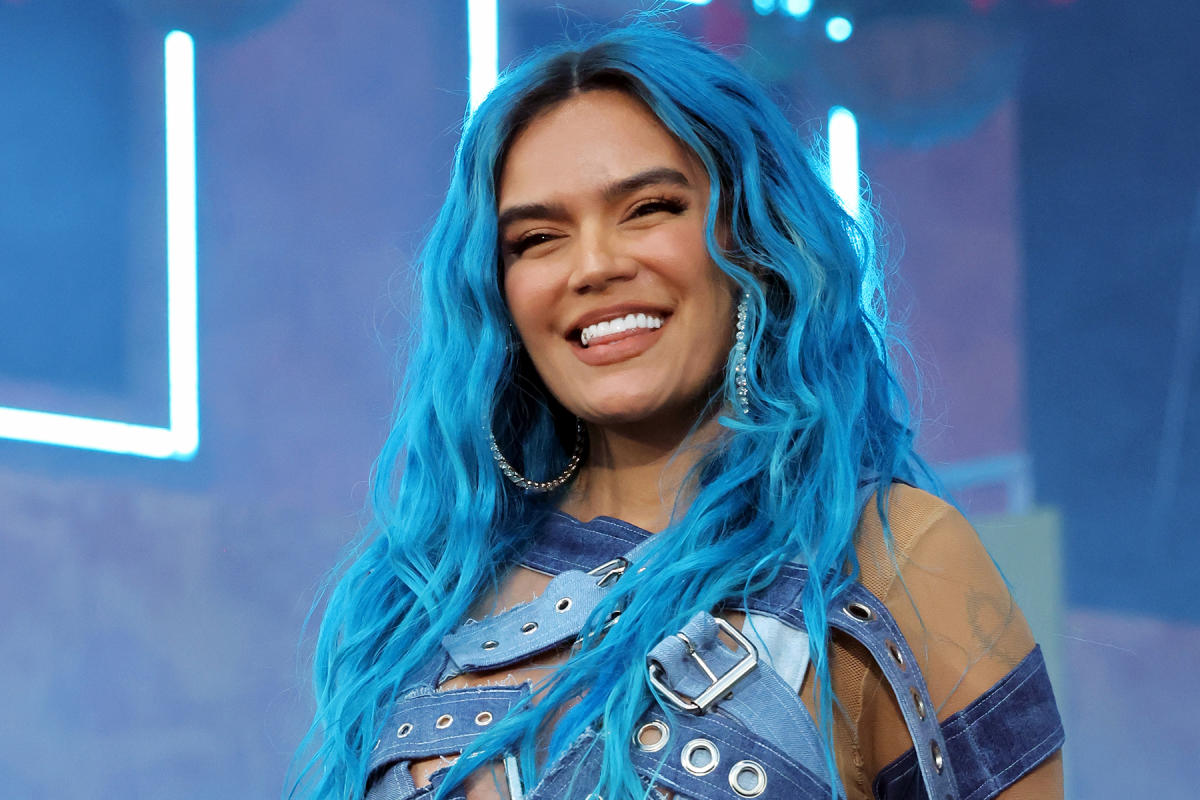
(638, 274)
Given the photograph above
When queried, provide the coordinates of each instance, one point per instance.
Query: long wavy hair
(825, 409)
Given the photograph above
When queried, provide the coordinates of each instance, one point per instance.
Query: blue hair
(826, 408)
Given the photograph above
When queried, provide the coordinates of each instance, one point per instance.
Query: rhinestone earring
(541, 486)
(739, 356)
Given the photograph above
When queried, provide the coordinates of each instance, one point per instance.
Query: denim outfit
(748, 733)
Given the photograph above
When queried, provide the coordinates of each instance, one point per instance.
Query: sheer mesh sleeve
(953, 607)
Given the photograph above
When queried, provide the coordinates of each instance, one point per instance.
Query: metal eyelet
(860, 612)
(563, 605)
(654, 745)
(918, 703)
(490, 644)
(937, 756)
(444, 721)
(702, 748)
(404, 730)
(483, 718)
(895, 653)
(748, 769)
(529, 627)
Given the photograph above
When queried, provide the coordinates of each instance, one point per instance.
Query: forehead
(587, 142)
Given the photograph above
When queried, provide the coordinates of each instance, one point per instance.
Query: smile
(610, 330)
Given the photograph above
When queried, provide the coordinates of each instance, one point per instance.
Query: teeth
(619, 325)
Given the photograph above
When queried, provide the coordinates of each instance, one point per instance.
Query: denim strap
(556, 616)
(876, 630)
(761, 700)
(993, 742)
(429, 723)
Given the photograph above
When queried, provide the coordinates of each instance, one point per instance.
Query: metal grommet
(937, 756)
(483, 718)
(918, 703)
(404, 730)
(443, 721)
(860, 612)
(563, 605)
(748, 778)
(895, 653)
(652, 745)
(700, 756)
(528, 628)
(490, 644)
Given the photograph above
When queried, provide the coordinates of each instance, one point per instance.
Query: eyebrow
(614, 191)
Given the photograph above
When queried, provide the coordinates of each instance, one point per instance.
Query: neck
(636, 472)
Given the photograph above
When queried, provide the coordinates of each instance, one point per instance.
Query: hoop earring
(739, 356)
(541, 486)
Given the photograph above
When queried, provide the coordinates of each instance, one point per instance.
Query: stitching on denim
(1002, 781)
(991, 707)
(991, 699)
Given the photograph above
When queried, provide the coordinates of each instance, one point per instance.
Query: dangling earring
(541, 486)
(739, 356)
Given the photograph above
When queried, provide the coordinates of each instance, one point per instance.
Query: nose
(597, 264)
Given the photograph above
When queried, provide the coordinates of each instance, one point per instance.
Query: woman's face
(606, 273)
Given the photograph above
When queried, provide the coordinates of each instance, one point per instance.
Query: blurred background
(165, 522)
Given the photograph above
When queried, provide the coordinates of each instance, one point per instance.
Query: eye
(518, 246)
(669, 205)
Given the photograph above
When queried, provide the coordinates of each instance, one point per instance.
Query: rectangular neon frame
(181, 438)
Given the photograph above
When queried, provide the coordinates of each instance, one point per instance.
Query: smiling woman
(733, 587)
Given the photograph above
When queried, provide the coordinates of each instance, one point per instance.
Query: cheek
(528, 300)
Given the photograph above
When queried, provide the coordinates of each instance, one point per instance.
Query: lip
(630, 344)
(612, 312)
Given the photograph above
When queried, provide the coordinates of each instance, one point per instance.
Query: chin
(621, 411)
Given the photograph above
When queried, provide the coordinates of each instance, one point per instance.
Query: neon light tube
(483, 49)
(182, 437)
(843, 158)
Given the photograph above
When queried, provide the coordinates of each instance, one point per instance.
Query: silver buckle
(612, 570)
(719, 685)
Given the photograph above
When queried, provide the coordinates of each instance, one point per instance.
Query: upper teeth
(625, 323)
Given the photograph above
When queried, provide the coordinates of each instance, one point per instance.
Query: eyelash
(653, 205)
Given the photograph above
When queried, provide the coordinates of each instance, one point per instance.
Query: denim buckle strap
(719, 685)
(557, 615)
(530, 628)
(745, 689)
